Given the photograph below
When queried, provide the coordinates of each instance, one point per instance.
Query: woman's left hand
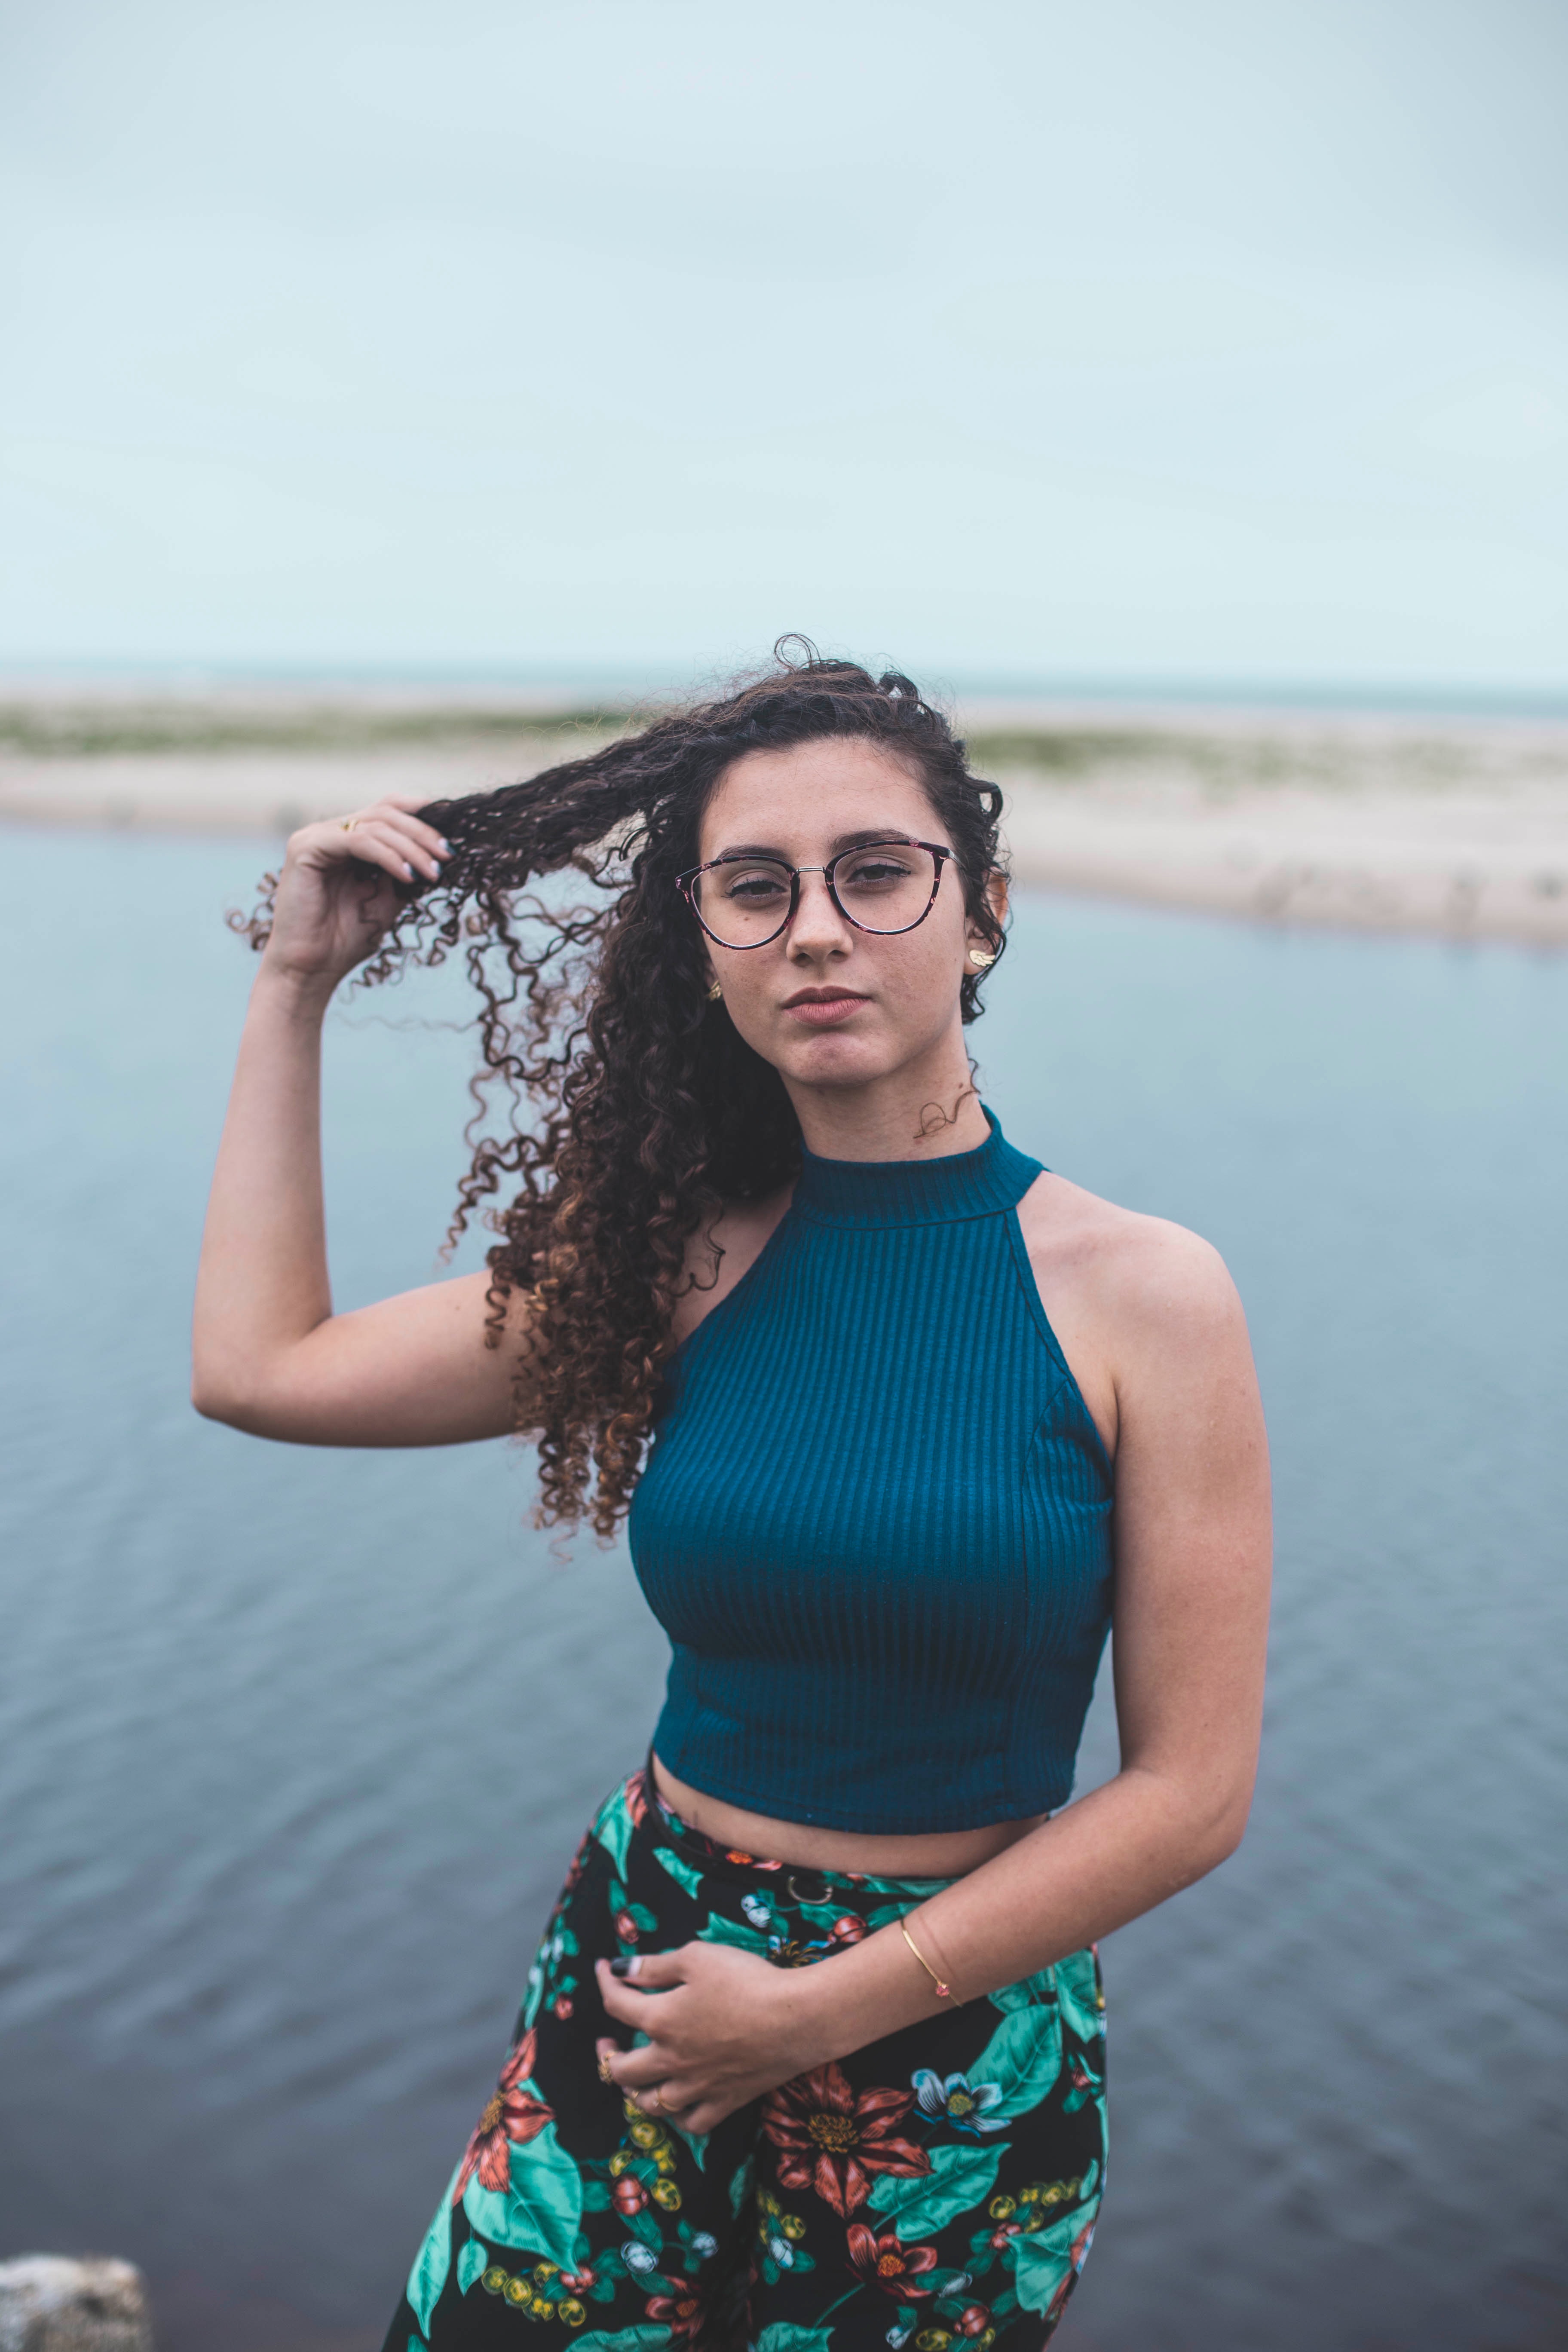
(723, 2027)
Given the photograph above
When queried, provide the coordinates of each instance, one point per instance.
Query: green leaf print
(681, 1872)
(644, 2226)
(981, 2254)
(531, 2007)
(473, 2261)
(741, 2182)
(540, 2211)
(1091, 2087)
(729, 1931)
(433, 2261)
(909, 1890)
(1023, 2057)
(823, 1916)
(959, 2178)
(1045, 2258)
(614, 1831)
(1080, 1995)
(1026, 1994)
(784, 2337)
(624, 2339)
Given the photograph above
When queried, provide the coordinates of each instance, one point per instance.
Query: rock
(66, 2303)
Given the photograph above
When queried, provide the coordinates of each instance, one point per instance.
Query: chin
(834, 1062)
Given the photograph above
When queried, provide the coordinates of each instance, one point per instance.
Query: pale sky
(1185, 342)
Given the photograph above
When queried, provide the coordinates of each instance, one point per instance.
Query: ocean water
(294, 1745)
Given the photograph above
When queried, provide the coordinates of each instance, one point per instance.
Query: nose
(817, 928)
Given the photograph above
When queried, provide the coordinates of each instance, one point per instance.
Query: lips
(824, 1011)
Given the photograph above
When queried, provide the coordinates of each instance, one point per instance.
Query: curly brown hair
(646, 1110)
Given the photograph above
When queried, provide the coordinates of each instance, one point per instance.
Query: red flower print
(974, 2320)
(844, 1931)
(833, 2141)
(680, 2310)
(513, 2117)
(626, 1927)
(637, 1797)
(629, 2195)
(561, 2005)
(883, 2262)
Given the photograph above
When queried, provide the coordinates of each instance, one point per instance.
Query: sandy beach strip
(1454, 828)
(1457, 827)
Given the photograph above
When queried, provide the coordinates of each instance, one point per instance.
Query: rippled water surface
(294, 1745)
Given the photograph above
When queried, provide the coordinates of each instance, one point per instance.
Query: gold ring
(659, 2101)
(604, 2073)
(350, 823)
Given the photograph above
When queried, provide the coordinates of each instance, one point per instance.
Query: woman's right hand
(329, 912)
(270, 1355)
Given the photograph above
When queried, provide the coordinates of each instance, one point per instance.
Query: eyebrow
(840, 842)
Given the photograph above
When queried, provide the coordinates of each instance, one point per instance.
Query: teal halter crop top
(875, 1520)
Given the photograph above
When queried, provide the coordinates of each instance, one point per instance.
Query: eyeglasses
(881, 886)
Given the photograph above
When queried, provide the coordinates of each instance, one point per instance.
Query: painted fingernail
(623, 1968)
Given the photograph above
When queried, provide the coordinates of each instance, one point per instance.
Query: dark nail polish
(622, 1968)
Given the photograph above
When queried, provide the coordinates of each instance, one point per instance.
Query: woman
(812, 2053)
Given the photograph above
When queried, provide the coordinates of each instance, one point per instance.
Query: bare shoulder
(1144, 1266)
(1129, 1297)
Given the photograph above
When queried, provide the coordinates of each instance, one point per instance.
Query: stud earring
(981, 956)
(715, 993)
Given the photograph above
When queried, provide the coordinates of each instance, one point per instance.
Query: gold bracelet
(945, 1991)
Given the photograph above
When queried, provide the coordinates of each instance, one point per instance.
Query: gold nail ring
(604, 2073)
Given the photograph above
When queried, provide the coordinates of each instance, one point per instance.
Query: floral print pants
(936, 2190)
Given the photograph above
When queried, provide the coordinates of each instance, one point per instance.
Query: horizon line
(188, 676)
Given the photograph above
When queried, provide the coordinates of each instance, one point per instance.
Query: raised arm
(268, 1355)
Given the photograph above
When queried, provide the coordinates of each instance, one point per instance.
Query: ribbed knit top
(875, 1520)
